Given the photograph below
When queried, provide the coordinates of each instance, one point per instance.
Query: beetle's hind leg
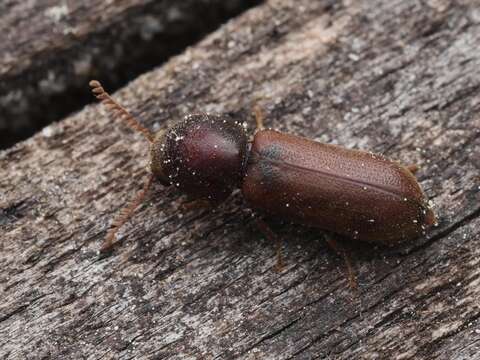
(341, 251)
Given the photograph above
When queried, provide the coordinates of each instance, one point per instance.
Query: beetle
(353, 193)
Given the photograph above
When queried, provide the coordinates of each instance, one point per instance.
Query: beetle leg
(257, 110)
(413, 168)
(125, 214)
(341, 251)
(271, 236)
(196, 204)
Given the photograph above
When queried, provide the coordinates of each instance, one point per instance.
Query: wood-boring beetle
(354, 193)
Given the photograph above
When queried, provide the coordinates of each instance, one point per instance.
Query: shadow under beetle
(354, 193)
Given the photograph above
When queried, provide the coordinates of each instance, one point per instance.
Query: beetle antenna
(125, 214)
(117, 111)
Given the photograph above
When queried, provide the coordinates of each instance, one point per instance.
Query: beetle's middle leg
(197, 204)
(257, 111)
(271, 236)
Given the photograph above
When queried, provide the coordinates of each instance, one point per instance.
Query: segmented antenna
(125, 214)
(117, 111)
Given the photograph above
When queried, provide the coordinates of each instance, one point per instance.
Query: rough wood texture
(397, 77)
(50, 49)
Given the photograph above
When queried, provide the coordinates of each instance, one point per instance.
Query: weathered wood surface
(50, 49)
(397, 77)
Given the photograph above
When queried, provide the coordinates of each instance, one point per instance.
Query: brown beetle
(353, 193)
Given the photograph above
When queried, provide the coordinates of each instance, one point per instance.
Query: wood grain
(50, 49)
